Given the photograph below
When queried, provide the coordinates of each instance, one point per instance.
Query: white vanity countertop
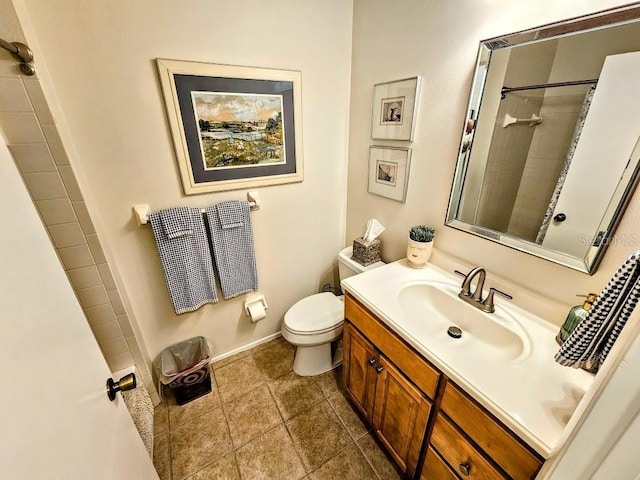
(532, 394)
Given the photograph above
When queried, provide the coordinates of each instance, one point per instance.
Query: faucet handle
(458, 272)
(501, 293)
(489, 306)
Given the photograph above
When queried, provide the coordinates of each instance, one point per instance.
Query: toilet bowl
(314, 324)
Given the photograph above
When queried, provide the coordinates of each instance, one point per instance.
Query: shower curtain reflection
(565, 168)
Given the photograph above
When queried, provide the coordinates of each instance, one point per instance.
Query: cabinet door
(400, 416)
(359, 362)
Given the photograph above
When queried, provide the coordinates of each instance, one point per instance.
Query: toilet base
(314, 360)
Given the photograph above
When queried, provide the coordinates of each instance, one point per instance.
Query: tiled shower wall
(32, 137)
(505, 163)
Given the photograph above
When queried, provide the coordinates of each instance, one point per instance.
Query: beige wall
(104, 85)
(100, 57)
(31, 131)
(439, 41)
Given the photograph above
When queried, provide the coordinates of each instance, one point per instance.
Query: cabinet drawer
(421, 373)
(435, 468)
(518, 460)
(459, 453)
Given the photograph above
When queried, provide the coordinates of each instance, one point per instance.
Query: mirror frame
(595, 21)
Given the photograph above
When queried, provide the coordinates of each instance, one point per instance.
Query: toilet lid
(316, 313)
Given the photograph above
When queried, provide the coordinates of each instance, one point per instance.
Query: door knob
(128, 382)
(561, 217)
(372, 361)
(465, 468)
(379, 370)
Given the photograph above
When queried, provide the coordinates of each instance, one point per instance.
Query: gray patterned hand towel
(232, 239)
(591, 341)
(184, 252)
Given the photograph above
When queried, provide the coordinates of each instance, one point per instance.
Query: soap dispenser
(576, 315)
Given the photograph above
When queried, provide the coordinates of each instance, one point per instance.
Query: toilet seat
(316, 314)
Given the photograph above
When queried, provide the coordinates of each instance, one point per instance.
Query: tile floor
(262, 421)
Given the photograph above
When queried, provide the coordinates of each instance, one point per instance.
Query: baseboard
(244, 348)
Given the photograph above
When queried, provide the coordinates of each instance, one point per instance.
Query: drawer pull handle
(372, 362)
(379, 370)
(465, 469)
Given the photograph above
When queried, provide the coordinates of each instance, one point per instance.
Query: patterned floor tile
(348, 464)
(238, 378)
(330, 382)
(251, 415)
(162, 456)
(160, 418)
(318, 435)
(275, 358)
(224, 469)
(179, 414)
(198, 442)
(381, 464)
(271, 456)
(348, 416)
(294, 394)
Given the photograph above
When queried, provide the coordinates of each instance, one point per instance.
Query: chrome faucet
(475, 298)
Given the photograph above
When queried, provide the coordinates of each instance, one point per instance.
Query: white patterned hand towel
(184, 252)
(591, 341)
(232, 239)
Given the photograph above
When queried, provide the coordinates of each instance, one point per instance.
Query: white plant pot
(418, 253)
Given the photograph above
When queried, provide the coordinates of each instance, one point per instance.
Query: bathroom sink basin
(505, 359)
(434, 307)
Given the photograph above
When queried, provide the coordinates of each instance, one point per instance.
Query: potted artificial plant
(419, 245)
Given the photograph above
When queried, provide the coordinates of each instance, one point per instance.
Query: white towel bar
(141, 211)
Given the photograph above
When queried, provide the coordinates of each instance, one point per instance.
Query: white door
(608, 136)
(56, 421)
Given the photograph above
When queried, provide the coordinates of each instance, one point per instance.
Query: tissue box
(366, 253)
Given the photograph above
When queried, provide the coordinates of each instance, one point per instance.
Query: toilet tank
(348, 267)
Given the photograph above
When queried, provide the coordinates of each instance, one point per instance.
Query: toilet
(314, 323)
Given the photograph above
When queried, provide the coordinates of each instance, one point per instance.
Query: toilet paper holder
(252, 299)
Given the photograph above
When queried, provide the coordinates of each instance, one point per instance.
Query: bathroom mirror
(550, 149)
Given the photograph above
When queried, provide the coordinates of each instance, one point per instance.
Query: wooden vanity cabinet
(359, 361)
(401, 413)
(396, 391)
(393, 405)
(476, 444)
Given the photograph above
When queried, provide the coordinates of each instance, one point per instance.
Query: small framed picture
(394, 107)
(389, 172)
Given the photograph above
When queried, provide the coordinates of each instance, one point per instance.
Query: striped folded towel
(232, 240)
(591, 341)
(182, 242)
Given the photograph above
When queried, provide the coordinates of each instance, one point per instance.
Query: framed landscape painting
(233, 127)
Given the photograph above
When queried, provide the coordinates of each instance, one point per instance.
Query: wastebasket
(184, 367)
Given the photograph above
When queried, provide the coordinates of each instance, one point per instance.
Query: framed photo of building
(233, 127)
(389, 172)
(394, 108)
